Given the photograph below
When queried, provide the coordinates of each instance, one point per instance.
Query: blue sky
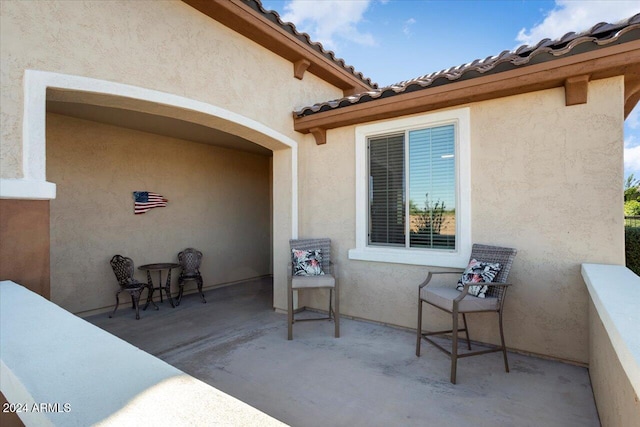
(394, 40)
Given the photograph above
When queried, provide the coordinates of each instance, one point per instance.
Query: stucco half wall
(545, 179)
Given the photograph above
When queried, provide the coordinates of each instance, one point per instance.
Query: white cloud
(329, 21)
(633, 119)
(577, 15)
(406, 28)
(631, 155)
(632, 159)
(632, 143)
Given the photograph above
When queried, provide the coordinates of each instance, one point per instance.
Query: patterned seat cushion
(443, 297)
(320, 281)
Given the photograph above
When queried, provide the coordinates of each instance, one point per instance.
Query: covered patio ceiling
(153, 123)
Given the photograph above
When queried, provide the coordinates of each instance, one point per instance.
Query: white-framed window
(413, 202)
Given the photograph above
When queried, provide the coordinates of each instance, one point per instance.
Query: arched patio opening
(230, 182)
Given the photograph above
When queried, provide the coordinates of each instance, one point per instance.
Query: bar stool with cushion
(482, 288)
(312, 268)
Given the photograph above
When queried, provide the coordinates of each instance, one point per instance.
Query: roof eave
(243, 19)
(620, 59)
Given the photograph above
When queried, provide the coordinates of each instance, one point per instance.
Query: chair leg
(289, 313)
(504, 348)
(136, 303)
(204, 301)
(454, 347)
(419, 328)
(336, 313)
(466, 330)
(180, 290)
(117, 303)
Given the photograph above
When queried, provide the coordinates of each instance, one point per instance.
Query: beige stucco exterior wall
(618, 404)
(555, 187)
(161, 45)
(545, 177)
(164, 46)
(546, 180)
(219, 203)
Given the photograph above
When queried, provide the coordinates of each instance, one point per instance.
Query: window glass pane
(386, 191)
(432, 188)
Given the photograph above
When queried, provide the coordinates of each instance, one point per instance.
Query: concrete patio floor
(370, 376)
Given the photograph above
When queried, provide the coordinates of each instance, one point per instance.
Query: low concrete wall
(614, 342)
(57, 369)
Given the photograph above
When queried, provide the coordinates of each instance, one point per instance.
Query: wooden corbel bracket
(299, 68)
(576, 90)
(320, 135)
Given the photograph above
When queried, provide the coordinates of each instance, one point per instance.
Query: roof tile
(289, 27)
(599, 35)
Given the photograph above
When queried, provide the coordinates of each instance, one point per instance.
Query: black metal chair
(123, 268)
(457, 302)
(327, 280)
(190, 260)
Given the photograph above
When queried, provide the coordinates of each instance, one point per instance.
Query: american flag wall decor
(146, 200)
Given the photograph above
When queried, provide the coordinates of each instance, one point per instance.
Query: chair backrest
(493, 254)
(309, 244)
(190, 260)
(123, 268)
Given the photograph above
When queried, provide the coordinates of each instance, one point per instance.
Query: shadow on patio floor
(369, 376)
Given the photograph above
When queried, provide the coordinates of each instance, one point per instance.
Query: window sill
(433, 258)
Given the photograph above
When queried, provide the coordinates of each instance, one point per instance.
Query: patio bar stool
(312, 268)
(488, 269)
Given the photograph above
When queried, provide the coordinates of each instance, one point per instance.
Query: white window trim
(430, 257)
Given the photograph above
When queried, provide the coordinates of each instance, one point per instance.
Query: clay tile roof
(600, 35)
(289, 27)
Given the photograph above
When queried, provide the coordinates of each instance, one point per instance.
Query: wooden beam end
(576, 90)
(299, 68)
(320, 135)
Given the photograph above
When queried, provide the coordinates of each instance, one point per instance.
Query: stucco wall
(219, 202)
(164, 46)
(161, 45)
(617, 401)
(546, 180)
(546, 177)
(25, 224)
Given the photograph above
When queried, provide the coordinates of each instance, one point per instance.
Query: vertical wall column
(282, 222)
(25, 244)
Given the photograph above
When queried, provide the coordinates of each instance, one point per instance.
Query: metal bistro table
(159, 267)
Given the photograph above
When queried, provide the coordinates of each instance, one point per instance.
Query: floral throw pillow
(478, 272)
(307, 263)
